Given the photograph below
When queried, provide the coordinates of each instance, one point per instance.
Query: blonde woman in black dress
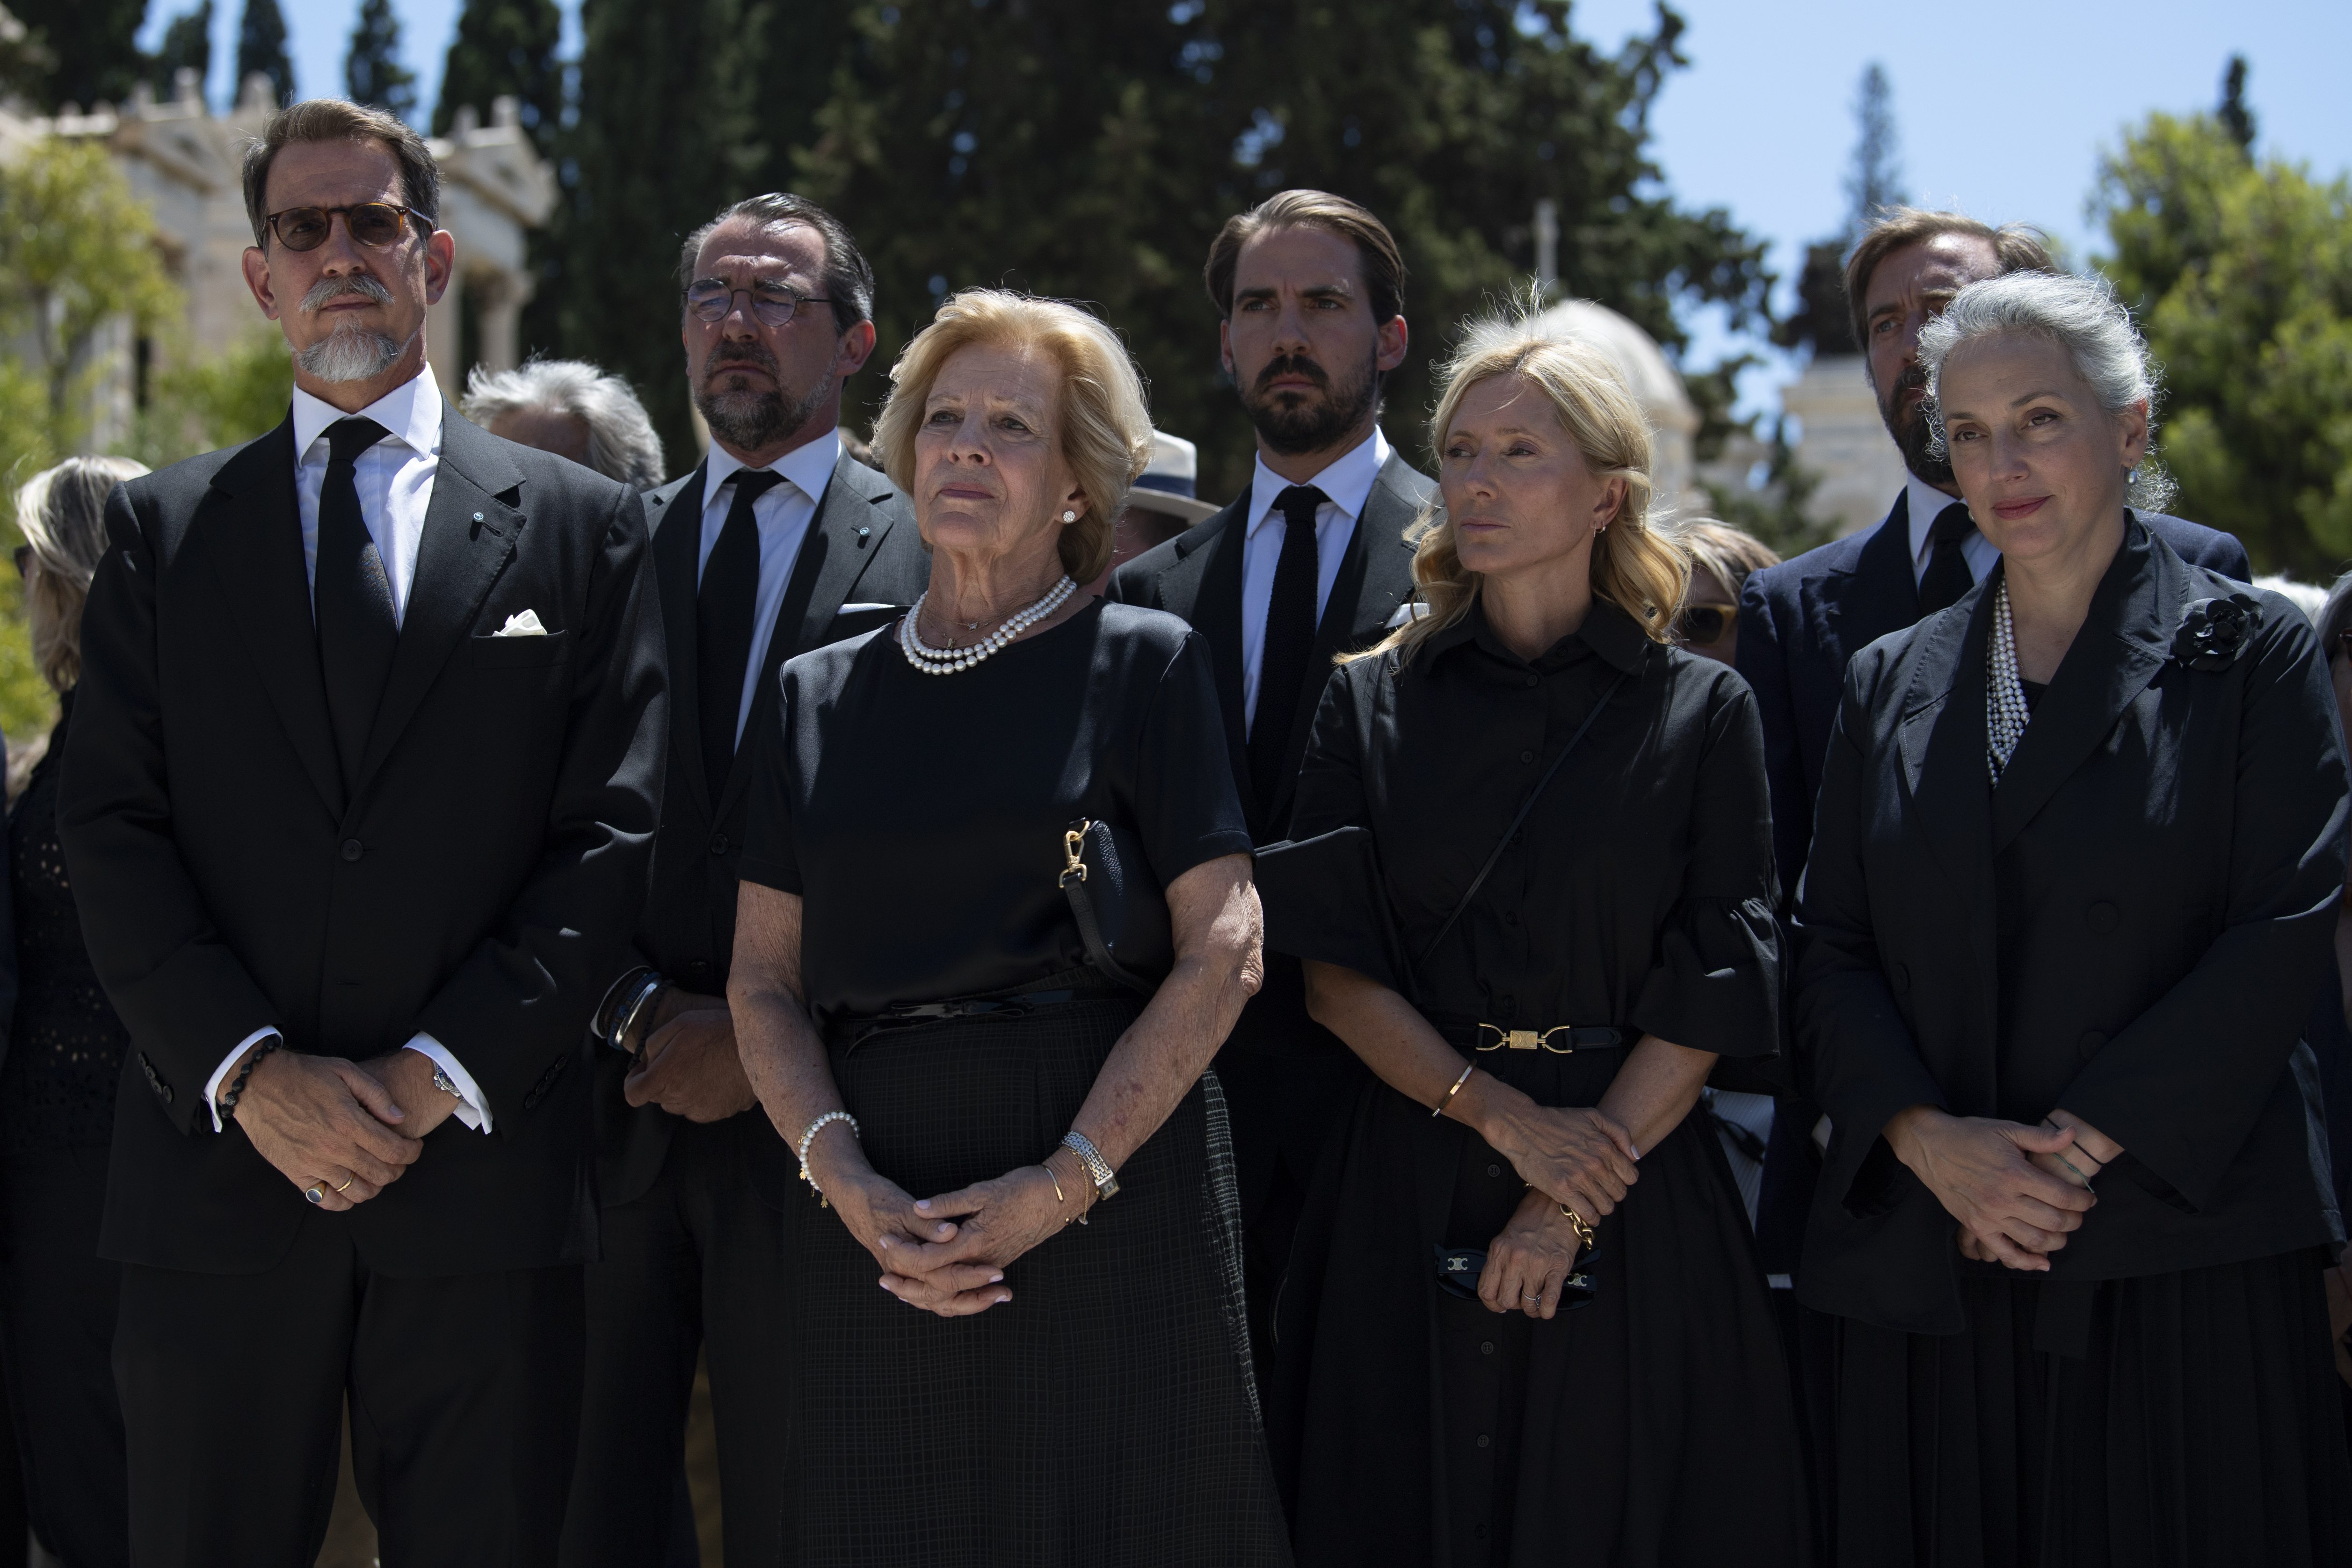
(980, 1379)
(1612, 1392)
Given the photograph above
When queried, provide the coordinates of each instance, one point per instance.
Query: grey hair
(61, 513)
(620, 440)
(2082, 316)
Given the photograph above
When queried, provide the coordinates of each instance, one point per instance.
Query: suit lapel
(1883, 596)
(2118, 651)
(677, 527)
(1942, 742)
(470, 536)
(255, 546)
(842, 536)
(1205, 587)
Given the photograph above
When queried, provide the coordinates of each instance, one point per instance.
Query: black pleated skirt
(1649, 1429)
(2202, 1426)
(1105, 1416)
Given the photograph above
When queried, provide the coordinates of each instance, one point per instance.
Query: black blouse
(65, 1054)
(1640, 892)
(920, 817)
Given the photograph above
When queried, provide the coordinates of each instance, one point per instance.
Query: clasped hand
(948, 1254)
(335, 1124)
(1576, 1154)
(1530, 1262)
(2009, 1205)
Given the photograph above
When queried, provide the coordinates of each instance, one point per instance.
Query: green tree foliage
(187, 45)
(373, 71)
(261, 47)
(684, 105)
(76, 255)
(2242, 274)
(198, 404)
(90, 47)
(1092, 152)
(506, 49)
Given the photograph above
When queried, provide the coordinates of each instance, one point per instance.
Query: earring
(1069, 517)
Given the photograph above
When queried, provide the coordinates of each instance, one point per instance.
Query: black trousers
(698, 1263)
(464, 1390)
(56, 1332)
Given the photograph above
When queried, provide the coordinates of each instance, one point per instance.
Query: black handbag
(1120, 906)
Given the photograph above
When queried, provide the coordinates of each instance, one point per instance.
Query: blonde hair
(1635, 566)
(1105, 425)
(61, 513)
(1729, 553)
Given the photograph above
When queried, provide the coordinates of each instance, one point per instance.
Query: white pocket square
(523, 625)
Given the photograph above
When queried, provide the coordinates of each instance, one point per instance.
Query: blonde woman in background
(1721, 559)
(1521, 1325)
(65, 1053)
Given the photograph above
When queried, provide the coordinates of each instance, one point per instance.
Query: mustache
(326, 290)
(1294, 364)
(752, 353)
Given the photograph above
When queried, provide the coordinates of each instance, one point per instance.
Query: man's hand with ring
(326, 1125)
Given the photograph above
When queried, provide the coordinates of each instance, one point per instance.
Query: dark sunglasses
(375, 225)
(2344, 642)
(22, 556)
(771, 304)
(1705, 623)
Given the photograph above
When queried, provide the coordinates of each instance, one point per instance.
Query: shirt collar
(1347, 480)
(410, 412)
(1927, 504)
(809, 466)
(1609, 632)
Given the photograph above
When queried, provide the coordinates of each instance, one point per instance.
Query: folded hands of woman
(949, 1253)
(2003, 1181)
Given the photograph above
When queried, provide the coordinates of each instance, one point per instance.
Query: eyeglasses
(1705, 624)
(772, 304)
(375, 225)
(23, 557)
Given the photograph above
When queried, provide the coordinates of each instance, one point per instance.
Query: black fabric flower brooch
(2215, 633)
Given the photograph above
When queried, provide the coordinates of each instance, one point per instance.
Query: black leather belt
(1565, 1041)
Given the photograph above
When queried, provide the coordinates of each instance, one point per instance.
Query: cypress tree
(261, 47)
(373, 71)
(90, 47)
(506, 49)
(187, 44)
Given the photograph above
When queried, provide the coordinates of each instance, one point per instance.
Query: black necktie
(1289, 644)
(1947, 579)
(723, 613)
(351, 600)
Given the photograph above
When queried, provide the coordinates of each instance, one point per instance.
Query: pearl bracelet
(806, 1138)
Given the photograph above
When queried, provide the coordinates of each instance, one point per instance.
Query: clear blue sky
(2002, 107)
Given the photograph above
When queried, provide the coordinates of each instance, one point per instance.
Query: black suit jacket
(2131, 926)
(477, 881)
(861, 547)
(1801, 621)
(1198, 575)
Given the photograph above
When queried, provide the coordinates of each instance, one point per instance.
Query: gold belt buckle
(1526, 1040)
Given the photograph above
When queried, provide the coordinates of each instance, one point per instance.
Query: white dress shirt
(1347, 483)
(394, 479)
(783, 513)
(1927, 503)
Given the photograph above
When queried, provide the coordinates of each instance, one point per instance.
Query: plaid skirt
(1106, 1414)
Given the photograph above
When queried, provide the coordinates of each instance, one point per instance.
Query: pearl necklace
(2006, 714)
(948, 661)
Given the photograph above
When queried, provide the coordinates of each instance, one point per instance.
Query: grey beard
(750, 422)
(350, 353)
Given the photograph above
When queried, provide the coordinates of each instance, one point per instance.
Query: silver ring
(1537, 1296)
(315, 1192)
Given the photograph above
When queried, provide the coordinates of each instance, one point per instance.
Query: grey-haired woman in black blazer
(2077, 855)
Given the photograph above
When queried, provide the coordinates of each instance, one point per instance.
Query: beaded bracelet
(806, 1138)
(230, 1096)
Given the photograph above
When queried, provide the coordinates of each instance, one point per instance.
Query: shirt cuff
(220, 1073)
(473, 1105)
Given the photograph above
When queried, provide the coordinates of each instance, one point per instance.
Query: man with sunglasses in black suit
(777, 542)
(358, 804)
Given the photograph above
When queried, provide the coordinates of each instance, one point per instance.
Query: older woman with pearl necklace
(2073, 880)
(1021, 1337)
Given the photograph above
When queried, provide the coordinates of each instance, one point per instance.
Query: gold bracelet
(1450, 1093)
(1583, 1230)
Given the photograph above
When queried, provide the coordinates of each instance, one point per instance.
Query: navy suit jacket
(1802, 620)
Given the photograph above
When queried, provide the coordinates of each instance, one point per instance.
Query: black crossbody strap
(1535, 795)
